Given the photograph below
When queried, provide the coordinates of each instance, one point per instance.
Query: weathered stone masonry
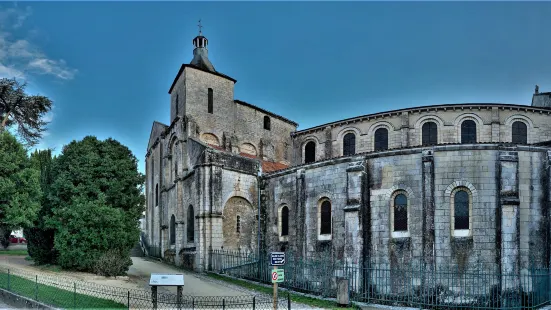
(207, 170)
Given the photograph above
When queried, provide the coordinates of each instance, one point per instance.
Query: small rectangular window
(211, 101)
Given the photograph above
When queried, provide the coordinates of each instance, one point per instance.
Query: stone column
(495, 124)
(353, 228)
(428, 218)
(404, 129)
(510, 227)
(301, 214)
(328, 142)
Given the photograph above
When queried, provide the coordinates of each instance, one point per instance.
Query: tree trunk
(4, 121)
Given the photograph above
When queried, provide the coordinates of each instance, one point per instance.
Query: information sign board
(159, 279)
(277, 258)
(278, 275)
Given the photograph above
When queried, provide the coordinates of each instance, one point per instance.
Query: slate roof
(201, 60)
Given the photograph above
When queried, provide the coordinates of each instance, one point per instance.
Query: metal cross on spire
(200, 32)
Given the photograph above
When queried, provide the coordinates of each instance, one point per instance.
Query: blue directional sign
(277, 258)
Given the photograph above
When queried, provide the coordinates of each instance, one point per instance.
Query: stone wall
(493, 124)
(233, 125)
(508, 230)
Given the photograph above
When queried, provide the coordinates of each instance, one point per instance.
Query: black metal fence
(151, 250)
(66, 293)
(451, 287)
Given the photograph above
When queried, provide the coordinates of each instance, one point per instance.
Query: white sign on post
(159, 279)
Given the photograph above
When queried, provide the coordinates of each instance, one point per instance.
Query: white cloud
(19, 58)
(48, 117)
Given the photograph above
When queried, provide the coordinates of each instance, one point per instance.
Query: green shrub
(112, 263)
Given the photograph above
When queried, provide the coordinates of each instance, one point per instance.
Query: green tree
(19, 187)
(96, 203)
(17, 108)
(40, 239)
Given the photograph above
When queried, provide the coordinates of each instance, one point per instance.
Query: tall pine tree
(40, 238)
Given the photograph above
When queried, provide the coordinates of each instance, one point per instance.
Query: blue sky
(108, 65)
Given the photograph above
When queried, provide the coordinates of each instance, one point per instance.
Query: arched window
(468, 131)
(381, 139)
(238, 224)
(349, 144)
(520, 133)
(284, 221)
(211, 101)
(266, 123)
(461, 210)
(172, 230)
(190, 224)
(310, 152)
(156, 194)
(430, 133)
(400, 213)
(325, 218)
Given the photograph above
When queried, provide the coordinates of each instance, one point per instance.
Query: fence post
(288, 300)
(74, 295)
(128, 299)
(224, 303)
(8, 279)
(36, 288)
(254, 302)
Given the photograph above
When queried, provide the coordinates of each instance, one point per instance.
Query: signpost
(158, 279)
(278, 275)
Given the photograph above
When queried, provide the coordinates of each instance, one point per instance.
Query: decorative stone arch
(248, 148)
(526, 120)
(210, 138)
(303, 147)
(346, 130)
(371, 133)
(238, 193)
(429, 118)
(519, 117)
(449, 200)
(399, 187)
(319, 203)
(340, 138)
(392, 199)
(468, 116)
(378, 124)
(239, 224)
(282, 238)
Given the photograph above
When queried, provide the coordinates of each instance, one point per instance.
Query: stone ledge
(23, 302)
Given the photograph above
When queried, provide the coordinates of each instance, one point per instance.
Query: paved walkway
(194, 285)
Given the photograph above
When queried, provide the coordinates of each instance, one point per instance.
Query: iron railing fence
(151, 250)
(67, 293)
(472, 286)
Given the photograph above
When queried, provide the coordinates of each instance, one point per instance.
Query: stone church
(433, 185)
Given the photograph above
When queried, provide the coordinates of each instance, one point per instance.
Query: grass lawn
(326, 304)
(14, 252)
(54, 296)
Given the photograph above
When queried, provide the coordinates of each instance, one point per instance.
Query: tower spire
(200, 53)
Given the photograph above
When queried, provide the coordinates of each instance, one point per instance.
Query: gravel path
(195, 284)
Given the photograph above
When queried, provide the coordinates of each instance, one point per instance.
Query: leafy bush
(88, 229)
(112, 263)
(40, 245)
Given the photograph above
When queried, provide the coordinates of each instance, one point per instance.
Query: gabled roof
(200, 69)
(156, 131)
(266, 112)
